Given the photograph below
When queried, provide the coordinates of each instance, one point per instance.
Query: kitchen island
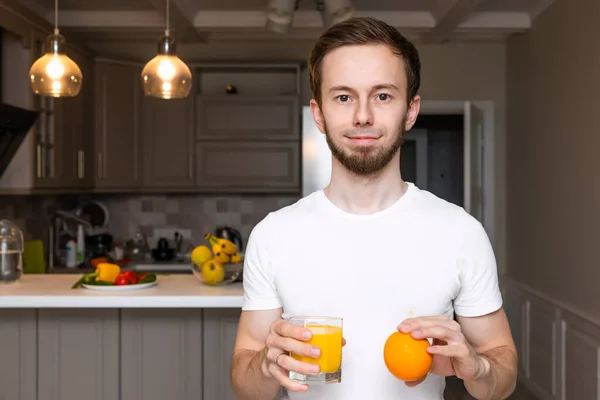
(172, 341)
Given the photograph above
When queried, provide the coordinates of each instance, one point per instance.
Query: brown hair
(365, 30)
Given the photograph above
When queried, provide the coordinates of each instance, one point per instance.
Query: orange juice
(329, 339)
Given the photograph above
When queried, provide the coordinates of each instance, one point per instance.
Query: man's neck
(365, 194)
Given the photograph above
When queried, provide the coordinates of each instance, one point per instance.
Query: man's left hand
(452, 353)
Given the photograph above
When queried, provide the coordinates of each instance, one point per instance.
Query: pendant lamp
(166, 76)
(55, 74)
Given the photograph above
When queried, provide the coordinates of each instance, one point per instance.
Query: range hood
(15, 123)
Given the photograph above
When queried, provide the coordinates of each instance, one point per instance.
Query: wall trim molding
(558, 345)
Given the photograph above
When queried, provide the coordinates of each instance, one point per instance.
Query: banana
(224, 245)
(236, 258)
(222, 257)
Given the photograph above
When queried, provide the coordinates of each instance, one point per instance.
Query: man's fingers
(436, 332)
(281, 376)
(290, 364)
(284, 328)
(294, 346)
(412, 324)
(457, 351)
(343, 342)
(414, 383)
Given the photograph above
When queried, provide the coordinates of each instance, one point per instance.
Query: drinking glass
(327, 336)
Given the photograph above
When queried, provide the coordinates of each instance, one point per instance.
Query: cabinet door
(248, 166)
(78, 354)
(237, 117)
(220, 330)
(64, 134)
(161, 354)
(168, 143)
(18, 368)
(118, 100)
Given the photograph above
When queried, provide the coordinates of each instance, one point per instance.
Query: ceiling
(202, 21)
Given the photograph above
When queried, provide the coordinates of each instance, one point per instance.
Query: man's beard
(366, 160)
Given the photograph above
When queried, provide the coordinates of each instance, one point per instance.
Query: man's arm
(248, 380)
(491, 338)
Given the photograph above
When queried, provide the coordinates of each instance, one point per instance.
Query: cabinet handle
(39, 161)
(99, 165)
(80, 165)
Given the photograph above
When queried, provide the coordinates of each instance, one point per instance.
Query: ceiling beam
(181, 18)
(449, 15)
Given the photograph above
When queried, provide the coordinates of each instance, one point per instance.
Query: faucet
(54, 234)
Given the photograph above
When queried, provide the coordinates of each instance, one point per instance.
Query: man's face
(364, 111)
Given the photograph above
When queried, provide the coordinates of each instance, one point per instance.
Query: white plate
(120, 288)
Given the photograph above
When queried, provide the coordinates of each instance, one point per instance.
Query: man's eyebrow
(340, 88)
(343, 88)
(385, 86)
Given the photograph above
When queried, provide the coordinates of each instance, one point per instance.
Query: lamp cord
(167, 29)
(56, 17)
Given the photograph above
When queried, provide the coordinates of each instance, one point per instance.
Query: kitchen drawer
(238, 117)
(248, 166)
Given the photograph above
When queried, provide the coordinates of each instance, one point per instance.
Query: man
(371, 248)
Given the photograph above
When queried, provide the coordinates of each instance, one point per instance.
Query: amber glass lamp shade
(166, 76)
(55, 74)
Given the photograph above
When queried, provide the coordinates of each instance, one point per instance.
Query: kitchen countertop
(172, 291)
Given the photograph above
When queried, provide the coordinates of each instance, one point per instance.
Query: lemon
(200, 255)
(213, 272)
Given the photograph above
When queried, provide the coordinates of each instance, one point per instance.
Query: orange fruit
(407, 358)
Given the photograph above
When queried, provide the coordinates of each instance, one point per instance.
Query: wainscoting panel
(559, 348)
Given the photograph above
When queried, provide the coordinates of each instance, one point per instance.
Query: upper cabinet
(248, 128)
(238, 131)
(118, 128)
(250, 117)
(168, 143)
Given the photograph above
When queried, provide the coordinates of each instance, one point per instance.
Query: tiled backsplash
(195, 214)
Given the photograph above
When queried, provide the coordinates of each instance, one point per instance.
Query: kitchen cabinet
(248, 166)
(243, 117)
(65, 134)
(55, 156)
(18, 354)
(161, 354)
(112, 354)
(118, 126)
(220, 331)
(78, 354)
(168, 143)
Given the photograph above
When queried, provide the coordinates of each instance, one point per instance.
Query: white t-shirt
(421, 256)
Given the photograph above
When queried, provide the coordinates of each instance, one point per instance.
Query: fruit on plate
(200, 255)
(220, 244)
(213, 272)
(121, 279)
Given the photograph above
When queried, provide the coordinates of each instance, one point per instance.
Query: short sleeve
(479, 292)
(259, 289)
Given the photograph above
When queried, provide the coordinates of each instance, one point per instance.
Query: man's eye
(343, 98)
(383, 97)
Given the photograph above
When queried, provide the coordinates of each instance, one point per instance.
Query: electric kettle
(11, 251)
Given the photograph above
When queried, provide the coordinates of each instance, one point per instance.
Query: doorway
(432, 156)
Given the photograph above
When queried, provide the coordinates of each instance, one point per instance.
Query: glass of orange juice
(327, 336)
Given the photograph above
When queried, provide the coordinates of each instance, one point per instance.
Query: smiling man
(371, 248)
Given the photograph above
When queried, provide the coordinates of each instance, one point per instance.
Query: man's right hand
(283, 338)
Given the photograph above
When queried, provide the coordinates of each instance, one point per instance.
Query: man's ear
(412, 112)
(317, 115)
